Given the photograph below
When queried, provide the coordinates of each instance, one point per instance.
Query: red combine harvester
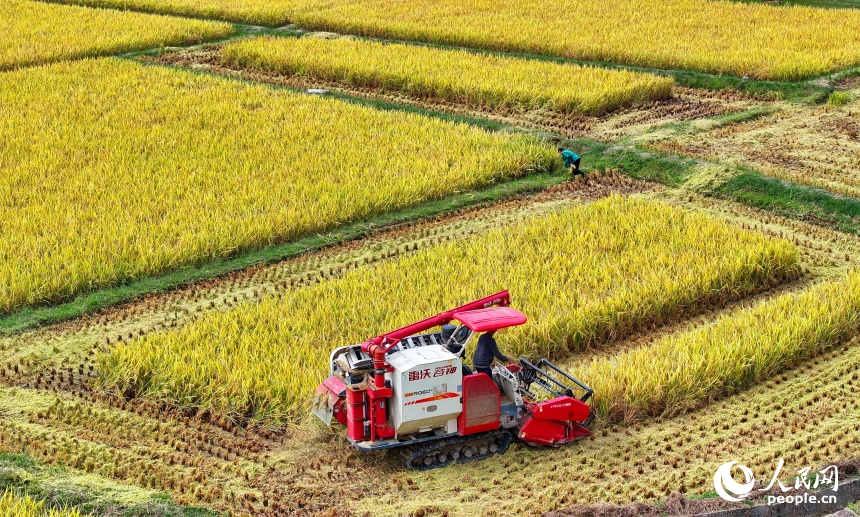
(409, 389)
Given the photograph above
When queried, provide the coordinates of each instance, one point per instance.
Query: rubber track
(413, 456)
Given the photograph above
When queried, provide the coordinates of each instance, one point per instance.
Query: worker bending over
(485, 352)
(571, 160)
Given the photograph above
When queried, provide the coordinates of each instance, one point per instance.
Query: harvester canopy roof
(495, 318)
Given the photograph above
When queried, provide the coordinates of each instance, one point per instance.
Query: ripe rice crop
(12, 505)
(718, 37)
(36, 32)
(585, 274)
(455, 75)
(113, 170)
(736, 351)
(261, 12)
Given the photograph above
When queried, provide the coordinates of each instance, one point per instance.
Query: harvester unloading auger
(409, 389)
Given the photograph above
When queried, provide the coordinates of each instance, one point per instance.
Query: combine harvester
(409, 389)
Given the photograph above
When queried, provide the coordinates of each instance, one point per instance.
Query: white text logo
(723, 478)
(731, 490)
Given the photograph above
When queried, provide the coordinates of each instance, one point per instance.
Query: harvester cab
(408, 389)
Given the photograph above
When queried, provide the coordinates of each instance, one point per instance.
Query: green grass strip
(792, 200)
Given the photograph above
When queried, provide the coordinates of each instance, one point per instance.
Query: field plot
(259, 12)
(735, 352)
(51, 411)
(35, 32)
(683, 104)
(817, 146)
(459, 76)
(189, 167)
(715, 37)
(258, 362)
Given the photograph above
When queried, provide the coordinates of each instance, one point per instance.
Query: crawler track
(459, 449)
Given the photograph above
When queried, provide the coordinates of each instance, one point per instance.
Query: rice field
(53, 413)
(710, 330)
(260, 361)
(738, 350)
(718, 37)
(271, 13)
(114, 171)
(455, 75)
(37, 32)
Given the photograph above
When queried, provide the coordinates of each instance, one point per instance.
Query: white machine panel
(427, 384)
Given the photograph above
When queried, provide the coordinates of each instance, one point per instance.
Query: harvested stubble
(13, 505)
(36, 32)
(113, 170)
(455, 75)
(738, 350)
(586, 274)
(778, 145)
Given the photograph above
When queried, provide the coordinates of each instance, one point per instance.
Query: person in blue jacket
(571, 160)
(486, 350)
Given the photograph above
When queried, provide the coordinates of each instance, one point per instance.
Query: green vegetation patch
(792, 200)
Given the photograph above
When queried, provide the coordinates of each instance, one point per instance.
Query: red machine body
(555, 422)
(409, 389)
(480, 405)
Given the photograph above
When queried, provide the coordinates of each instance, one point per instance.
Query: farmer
(571, 159)
(485, 352)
